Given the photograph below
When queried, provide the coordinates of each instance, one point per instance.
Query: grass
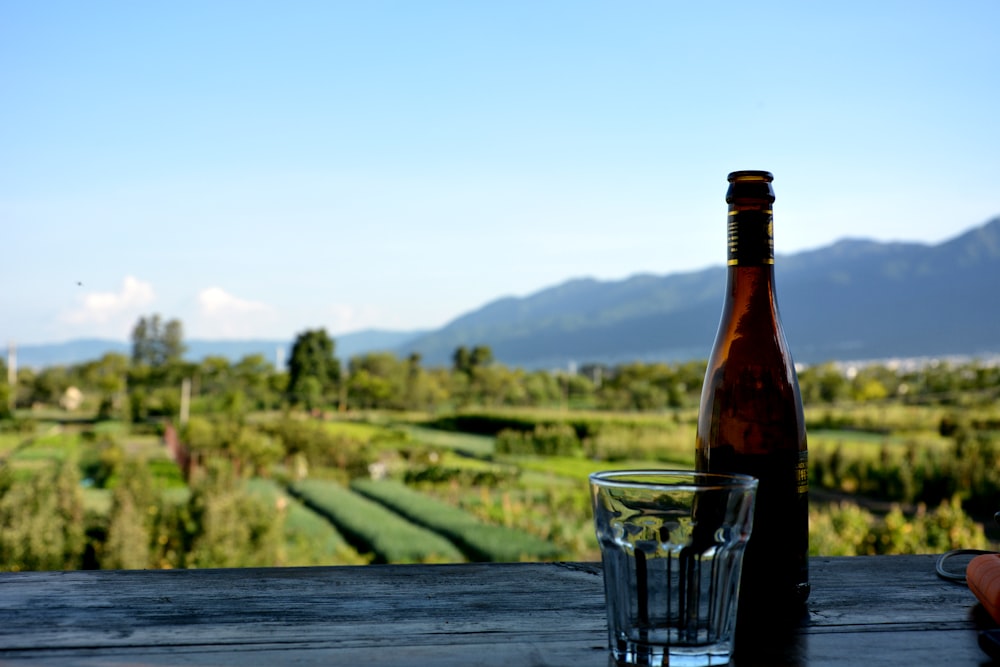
(358, 431)
(465, 443)
(867, 446)
(167, 473)
(11, 441)
(97, 501)
(49, 447)
(579, 469)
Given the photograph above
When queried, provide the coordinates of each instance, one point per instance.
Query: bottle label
(802, 472)
(750, 237)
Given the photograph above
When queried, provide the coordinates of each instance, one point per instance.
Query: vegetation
(313, 370)
(390, 537)
(151, 461)
(309, 539)
(478, 540)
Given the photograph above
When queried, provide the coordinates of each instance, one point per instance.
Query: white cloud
(111, 313)
(215, 301)
(346, 318)
(223, 314)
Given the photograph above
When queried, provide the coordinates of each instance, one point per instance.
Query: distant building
(71, 399)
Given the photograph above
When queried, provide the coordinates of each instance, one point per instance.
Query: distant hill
(855, 299)
(80, 350)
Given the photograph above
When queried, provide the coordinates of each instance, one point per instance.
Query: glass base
(655, 655)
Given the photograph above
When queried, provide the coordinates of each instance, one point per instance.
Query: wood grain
(885, 610)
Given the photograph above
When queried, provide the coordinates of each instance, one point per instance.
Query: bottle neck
(751, 258)
(750, 235)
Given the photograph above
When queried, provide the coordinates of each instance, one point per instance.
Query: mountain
(275, 351)
(855, 299)
(70, 352)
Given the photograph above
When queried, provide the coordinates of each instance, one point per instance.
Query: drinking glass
(672, 546)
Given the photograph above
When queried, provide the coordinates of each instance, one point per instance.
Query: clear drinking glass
(672, 546)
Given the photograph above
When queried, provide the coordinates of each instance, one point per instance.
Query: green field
(393, 488)
(310, 539)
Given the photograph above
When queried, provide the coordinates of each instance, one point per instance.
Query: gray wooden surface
(888, 610)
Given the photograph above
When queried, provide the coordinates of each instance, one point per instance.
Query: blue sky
(259, 168)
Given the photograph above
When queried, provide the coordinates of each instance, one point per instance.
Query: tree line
(148, 383)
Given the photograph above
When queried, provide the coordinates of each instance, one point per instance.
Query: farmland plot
(392, 538)
(480, 541)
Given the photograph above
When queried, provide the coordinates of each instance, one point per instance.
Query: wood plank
(892, 610)
(357, 605)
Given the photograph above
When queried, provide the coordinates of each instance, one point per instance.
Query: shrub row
(846, 529)
(584, 424)
(309, 538)
(465, 476)
(605, 443)
(479, 541)
(971, 470)
(554, 440)
(371, 526)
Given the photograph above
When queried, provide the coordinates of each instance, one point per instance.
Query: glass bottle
(750, 419)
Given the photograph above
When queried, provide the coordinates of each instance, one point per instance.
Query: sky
(259, 168)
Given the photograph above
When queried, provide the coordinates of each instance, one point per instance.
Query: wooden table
(883, 610)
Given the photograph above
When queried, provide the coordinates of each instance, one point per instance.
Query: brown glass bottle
(750, 419)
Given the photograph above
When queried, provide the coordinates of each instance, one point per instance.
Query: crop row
(309, 538)
(480, 541)
(392, 538)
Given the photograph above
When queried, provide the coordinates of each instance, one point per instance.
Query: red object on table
(983, 576)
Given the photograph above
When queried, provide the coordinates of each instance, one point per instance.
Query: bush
(915, 474)
(323, 447)
(848, 530)
(544, 440)
(488, 477)
(652, 442)
(228, 527)
(42, 519)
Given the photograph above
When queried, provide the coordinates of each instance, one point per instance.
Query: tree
(312, 357)
(49, 385)
(466, 361)
(253, 373)
(460, 360)
(377, 380)
(481, 356)
(213, 375)
(42, 519)
(470, 372)
(228, 527)
(134, 508)
(823, 383)
(155, 343)
(106, 375)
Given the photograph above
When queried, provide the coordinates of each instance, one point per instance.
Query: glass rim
(651, 478)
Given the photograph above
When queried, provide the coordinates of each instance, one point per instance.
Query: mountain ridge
(854, 299)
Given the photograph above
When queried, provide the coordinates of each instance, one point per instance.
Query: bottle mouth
(750, 187)
(750, 175)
